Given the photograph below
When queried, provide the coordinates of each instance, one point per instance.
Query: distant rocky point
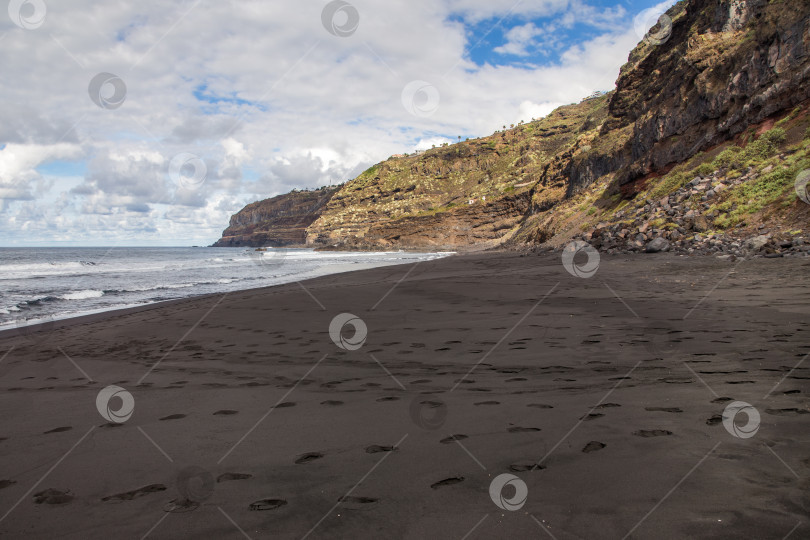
(276, 222)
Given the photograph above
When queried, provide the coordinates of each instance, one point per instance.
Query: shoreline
(101, 315)
(304, 276)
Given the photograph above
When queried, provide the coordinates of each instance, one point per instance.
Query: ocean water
(39, 284)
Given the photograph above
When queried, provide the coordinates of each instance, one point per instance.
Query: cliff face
(707, 75)
(728, 64)
(457, 196)
(276, 222)
(718, 68)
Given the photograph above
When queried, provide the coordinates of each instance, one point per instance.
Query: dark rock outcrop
(280, 221)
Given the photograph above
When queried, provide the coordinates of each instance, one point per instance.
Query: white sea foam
(33, 287)
(82, 295)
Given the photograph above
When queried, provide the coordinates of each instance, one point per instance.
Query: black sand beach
(603, 396)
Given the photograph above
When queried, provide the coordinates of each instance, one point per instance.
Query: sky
(152, 122)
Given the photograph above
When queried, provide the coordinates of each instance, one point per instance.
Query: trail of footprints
(53, 496)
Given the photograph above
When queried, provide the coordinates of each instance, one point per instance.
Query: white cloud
(283, 103)
(518, 39)
(18, 163)
(430, 142)
(529, 111)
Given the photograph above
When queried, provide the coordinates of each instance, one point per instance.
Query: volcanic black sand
(605, 397)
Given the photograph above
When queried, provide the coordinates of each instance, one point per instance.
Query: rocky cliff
(701, 88)
(712, 76)
(471, 193)
(276, 222)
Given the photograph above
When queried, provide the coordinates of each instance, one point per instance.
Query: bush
(774, 137)
(752, 197)
(764, 147)
(728, 158)
(705, 169)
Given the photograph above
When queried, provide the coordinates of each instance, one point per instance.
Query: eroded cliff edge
(276, 222)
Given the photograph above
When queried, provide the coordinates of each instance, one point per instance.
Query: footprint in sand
(487, 403)
(788, 392)
(652, 432)
(356, 503)
(6, 483)
(519, 429)
(135, 493)
(53, 496)
(527, 465)
(388, 398)
(59, 429)
(447, 482)
(593, 446)
(284, 405)
(722, 400)
(540, 406)
(230, 476)
(173, 417)
(376, 448)
(664, 409)
(607, 406)
(453, 438)
(786, 412)
(225, 412)
(309, 456)
(591, 416)
(714, 420)
(331, 402)
(266, 504)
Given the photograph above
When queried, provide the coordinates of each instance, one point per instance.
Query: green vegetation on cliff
(724, 96)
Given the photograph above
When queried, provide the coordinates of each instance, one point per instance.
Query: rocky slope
(276, 222)
(717, 92)
(469, 194)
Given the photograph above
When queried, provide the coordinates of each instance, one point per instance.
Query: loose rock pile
(687, 216)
